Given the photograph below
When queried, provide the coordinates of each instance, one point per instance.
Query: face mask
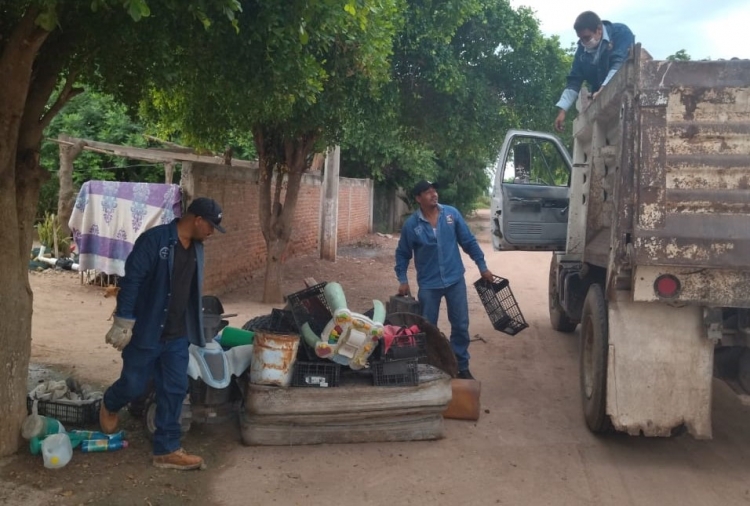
(591, 44)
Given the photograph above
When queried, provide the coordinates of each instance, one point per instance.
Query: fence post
(330, 208)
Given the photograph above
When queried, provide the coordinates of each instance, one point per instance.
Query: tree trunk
(274, 271)
(19, 192)
(66, 197)
(286, 159)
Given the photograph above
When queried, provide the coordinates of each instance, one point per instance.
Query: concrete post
(330, 207)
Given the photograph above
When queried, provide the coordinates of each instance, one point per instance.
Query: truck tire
(594, 350)
(557, 316)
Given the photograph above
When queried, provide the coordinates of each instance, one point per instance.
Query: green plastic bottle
(102, 445)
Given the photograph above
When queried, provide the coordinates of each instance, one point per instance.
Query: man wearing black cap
(159, 313)
(432, 235)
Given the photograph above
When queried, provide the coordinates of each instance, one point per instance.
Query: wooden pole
(187, 184)
(168, 172)
(330, 207)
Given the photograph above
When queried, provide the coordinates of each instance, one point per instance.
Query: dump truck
(649, 225)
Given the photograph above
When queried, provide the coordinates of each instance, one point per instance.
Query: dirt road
(530, 446)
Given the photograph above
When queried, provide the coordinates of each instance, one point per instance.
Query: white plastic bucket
(56, 450)
(273, 358)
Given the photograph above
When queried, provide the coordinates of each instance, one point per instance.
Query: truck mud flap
(659, 369)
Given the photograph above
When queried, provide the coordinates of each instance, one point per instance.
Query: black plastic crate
(404, 304)
(395, 373)
(310, 306)
(404, 347)
(71, 414)
(316, 374)
(501, 305)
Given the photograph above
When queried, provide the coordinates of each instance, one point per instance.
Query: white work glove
(120, 333)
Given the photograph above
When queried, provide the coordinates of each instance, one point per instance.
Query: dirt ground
(530, 446)
(69, 323)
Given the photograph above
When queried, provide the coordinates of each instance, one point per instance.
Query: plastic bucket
(273, 358)
(232, 336)
(40, 426)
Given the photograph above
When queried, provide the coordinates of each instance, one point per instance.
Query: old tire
(149, 416)
(557, 316)
(259, 323)
(593, 354)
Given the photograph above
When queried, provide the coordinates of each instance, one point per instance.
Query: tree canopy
(463, 73)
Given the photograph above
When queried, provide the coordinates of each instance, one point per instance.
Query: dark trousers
(458, 316)
(167, 365)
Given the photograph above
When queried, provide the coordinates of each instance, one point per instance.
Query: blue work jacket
(146, 288)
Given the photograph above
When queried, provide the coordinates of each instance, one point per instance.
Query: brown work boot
(180, 460)
(107, 420)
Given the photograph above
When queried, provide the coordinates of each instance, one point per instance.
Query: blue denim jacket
(146, 287)
(587, 67)
(436, 259)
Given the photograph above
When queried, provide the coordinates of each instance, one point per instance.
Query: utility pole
(330, 207)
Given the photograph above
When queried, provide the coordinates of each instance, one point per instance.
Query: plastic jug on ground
(56, 451)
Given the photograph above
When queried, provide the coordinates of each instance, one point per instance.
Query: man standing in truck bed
(602, 49)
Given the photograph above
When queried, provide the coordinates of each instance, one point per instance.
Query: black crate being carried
(501, 305)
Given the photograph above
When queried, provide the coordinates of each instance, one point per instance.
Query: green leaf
(351, 9)
(47, 19)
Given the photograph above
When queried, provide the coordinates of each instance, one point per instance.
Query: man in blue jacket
(602, 49)
(159, 313)
(432, 235)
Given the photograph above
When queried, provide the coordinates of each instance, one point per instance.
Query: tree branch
(66, 94)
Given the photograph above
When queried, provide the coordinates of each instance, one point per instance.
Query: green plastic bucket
(232, 336)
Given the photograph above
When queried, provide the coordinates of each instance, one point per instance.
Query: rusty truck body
(649, 224)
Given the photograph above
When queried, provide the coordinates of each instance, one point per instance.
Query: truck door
(530, 194)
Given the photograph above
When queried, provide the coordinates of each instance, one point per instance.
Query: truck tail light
(667, 286)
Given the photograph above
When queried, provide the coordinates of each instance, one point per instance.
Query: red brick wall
(355, 208)
(234, 258)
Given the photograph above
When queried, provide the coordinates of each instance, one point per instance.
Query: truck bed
(668, 145)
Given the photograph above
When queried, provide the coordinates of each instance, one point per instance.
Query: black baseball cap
(423, 185)
(209, 210)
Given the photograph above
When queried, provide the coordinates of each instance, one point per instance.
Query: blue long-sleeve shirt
(599, 66)
(146, 288)
(436, 256)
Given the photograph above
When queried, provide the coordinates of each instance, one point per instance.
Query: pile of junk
(310, 373)
(321, 372)
(313, 372)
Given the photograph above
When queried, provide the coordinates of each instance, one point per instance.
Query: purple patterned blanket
(109, 216)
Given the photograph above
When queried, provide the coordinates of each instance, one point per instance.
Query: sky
(703, 28)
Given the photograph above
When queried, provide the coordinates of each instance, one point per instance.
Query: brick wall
(355, 209)
(232, 259)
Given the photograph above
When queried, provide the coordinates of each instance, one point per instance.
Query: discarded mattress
(350, 413)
